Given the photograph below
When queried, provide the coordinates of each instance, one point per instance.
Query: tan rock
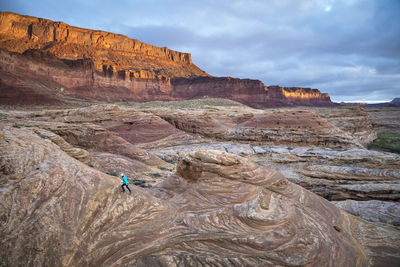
(219, 209)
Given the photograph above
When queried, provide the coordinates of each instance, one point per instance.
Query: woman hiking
(125, 183)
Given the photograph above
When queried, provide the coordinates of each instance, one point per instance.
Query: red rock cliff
(250, 92)
(109, 52)
(43, 59)
(297, 96)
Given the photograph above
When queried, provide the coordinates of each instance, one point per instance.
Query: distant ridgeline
(48, 60)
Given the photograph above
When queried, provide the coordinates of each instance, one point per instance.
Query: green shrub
(386, 142)
(17, 125)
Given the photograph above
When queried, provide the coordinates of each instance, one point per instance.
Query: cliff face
(250, 92)
(109, 52)
(37, 77)
(47, 61)
(298, 96)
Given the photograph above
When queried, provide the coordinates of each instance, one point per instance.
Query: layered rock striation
(49, 61)
(217, 209)
(111, 53)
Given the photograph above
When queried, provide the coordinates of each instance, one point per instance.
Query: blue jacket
(125, 180)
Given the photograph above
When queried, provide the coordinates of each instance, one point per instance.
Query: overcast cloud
(347, 48)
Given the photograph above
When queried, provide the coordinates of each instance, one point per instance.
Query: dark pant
(123, 189)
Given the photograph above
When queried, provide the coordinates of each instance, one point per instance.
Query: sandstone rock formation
(250, 92)
(47, 62)
(353, 119)
(146, 140)
(269, 126)
(113, 54)
(385, 120)
(373, 210)
(218, 209)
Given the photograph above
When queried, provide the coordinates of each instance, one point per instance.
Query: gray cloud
(348, 48)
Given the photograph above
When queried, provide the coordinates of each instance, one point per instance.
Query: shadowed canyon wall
(50, 59)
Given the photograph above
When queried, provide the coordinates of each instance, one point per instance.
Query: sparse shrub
(17, 125)
(3, 116)
(169, 160)
(386, 142)
(141, 183)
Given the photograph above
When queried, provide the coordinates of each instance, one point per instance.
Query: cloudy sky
(347, 48)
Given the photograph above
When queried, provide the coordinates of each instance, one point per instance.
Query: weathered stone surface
(372, 210)
(141, 133)
(269, 126)
(218, 209)
(75, 152)
(353, 119)
(62, 212)
(385, 120)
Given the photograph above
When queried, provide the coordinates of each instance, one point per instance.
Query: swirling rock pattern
(218, 209)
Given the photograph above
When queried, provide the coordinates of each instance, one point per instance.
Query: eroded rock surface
(311, 151)
(283, 126)
(353, 119)
(373, 210)
(218, 209)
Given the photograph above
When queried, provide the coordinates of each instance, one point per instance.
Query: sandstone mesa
(49, 61)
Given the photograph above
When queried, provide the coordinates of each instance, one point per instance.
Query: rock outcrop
(323, 155)
(250, 92)
(218, 209)
(353, 119)
(282, 126)
(297, 96)
(385, 120)
(373, 210)
(51, 61)
(113, 54)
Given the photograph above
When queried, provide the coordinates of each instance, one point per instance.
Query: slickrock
(385, 120)
(218, 209)
(97, 138)
(318, 155)
(352, 119)
(373, 210)
(269, 126)
(60, 212)
(355, 173)
(75, 152)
